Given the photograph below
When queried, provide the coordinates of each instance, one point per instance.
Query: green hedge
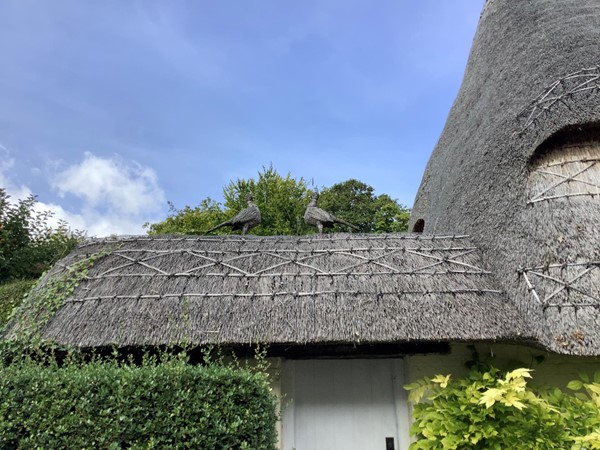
(106, 405)
(11, 295)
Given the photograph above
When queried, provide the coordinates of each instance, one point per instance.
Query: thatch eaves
(236, 290)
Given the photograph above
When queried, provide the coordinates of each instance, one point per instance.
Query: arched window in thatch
(419, 226)
(566, 165)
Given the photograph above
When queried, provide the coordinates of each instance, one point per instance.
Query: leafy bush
(52, 396)
(282, 202)
(156, 405)
(491, 409)
(11, 296)
(28, 245)
(357, 203)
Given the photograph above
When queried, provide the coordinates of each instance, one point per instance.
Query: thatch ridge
(236, 290)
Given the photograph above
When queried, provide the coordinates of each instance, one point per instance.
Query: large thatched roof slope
(518, 164)
(339, 288)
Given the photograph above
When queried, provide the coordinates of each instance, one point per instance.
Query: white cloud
(118, 196)
(126, 188)
(6, 165)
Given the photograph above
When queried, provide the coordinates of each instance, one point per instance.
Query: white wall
(555, 370)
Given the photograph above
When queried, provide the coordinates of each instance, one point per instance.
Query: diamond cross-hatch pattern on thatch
(307, 260)
(359, 288)
(583, 81)
(451, 267)
(564, 285)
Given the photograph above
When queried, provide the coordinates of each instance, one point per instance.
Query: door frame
(401, 405)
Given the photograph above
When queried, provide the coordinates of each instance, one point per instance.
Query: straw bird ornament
(321, 218)
(246, 219)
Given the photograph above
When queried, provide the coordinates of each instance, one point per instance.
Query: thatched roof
(337, 288)
(518, 164)
(517, 168)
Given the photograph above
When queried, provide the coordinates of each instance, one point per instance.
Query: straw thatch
(338, 288)
(516, 168)
(517, 164)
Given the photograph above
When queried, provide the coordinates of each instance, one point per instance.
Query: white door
(344, 404)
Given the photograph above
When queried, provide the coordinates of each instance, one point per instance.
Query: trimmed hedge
(11, 295)
(162, 405)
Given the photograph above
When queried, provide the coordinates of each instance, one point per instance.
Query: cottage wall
(555, 370)
(322, 390)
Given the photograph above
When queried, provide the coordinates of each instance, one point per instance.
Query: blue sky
(110, 109)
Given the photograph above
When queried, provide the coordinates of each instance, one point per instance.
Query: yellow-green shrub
(491, 409)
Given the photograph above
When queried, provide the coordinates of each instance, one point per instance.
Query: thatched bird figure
(244, 220)
(321, 218)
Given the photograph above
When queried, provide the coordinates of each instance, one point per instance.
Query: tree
(28, 245)
(355, 201)
(282, 202)
(390, 216)
(189, 220)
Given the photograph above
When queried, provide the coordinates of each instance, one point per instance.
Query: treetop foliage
(28, 244)
(282, 201)
(356, 202)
